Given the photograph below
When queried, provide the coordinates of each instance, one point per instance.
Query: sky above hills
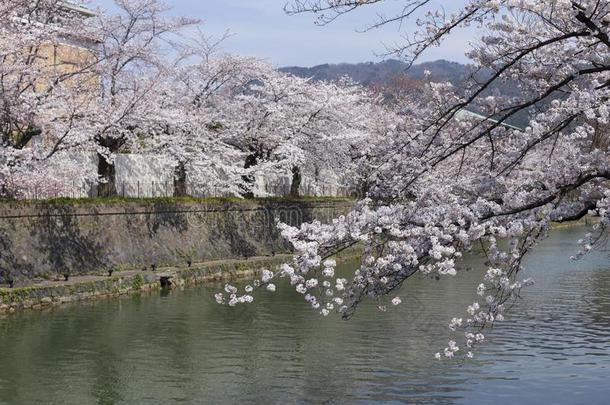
(261, 28)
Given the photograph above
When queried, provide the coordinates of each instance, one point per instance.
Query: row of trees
(442, 184)
(137, 81)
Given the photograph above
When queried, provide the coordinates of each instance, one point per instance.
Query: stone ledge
(87, 288)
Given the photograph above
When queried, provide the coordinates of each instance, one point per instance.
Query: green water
(183, 348)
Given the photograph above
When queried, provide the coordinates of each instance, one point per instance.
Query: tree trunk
(251, 161)
(296, 181)
(106, 172)
(363, 191)
(180, 180)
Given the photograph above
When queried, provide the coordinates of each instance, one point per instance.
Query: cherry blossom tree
(38, 95)
(449, 183)
(283, 124)
(192, 117)
(138, 51)
(339, 119)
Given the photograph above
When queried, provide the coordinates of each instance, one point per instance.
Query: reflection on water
(555, 347)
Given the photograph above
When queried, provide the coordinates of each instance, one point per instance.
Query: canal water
(183, 348)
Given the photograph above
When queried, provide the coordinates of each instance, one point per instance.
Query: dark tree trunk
(24, 139)
(106, 172)
(363, 191)
(180, 180)
(296, 181)
(251, 161)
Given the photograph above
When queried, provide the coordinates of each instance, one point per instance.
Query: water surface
(183, 348)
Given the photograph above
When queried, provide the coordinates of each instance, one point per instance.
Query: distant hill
(370, 73)
(382, 73)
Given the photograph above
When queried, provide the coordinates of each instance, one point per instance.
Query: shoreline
(80, 289)
(585, 221)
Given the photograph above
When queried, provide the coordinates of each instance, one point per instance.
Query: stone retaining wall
(44, 241)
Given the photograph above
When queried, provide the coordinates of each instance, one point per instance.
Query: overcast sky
(262, 29)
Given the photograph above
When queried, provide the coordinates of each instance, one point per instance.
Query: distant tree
(193, 117)
(283, 123)
(399, 88)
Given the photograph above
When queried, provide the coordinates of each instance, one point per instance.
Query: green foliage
(186, 254)
(119, 268)
(15, 295)
(136, 282)
(215, 126)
